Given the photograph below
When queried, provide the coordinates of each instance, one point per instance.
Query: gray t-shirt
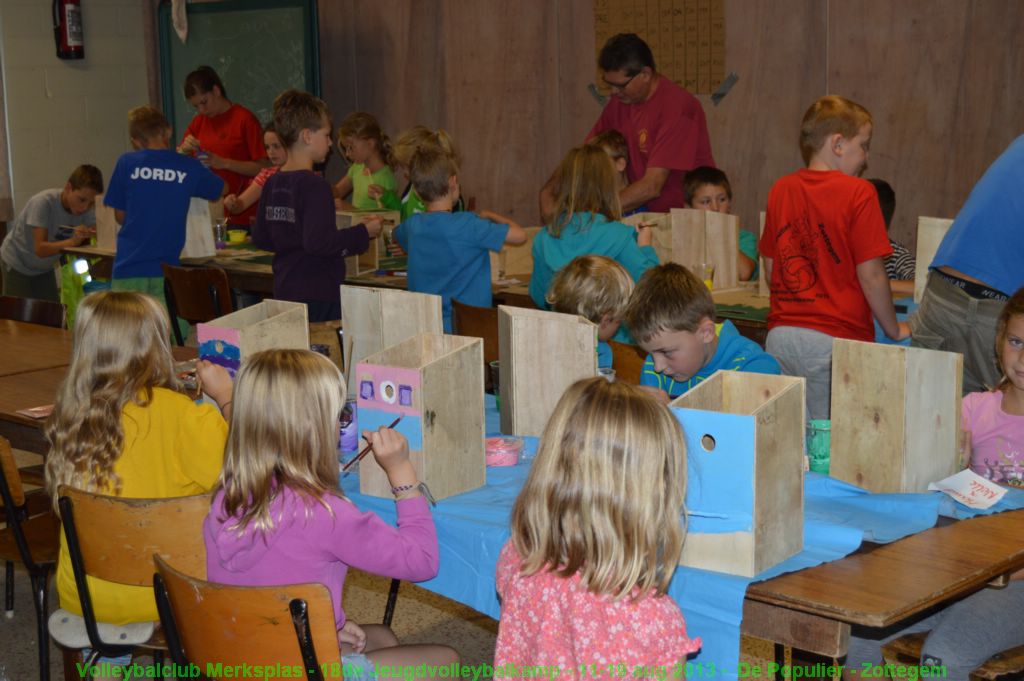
(42, 210)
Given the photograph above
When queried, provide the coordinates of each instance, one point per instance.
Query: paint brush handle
(365, 450)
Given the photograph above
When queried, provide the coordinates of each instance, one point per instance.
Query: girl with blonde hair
(596, 535)
(405, 147)
(586, 222)
(368, 149)
(123, 426)
(278, 516)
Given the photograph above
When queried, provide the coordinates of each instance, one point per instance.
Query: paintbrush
(366, 449)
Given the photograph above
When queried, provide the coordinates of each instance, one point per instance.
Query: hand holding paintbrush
(369, 437)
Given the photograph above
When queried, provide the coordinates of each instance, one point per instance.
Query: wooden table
(29, 347)
(40, 356)
(881, 585)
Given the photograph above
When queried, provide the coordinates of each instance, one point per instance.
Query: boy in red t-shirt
(824, 243)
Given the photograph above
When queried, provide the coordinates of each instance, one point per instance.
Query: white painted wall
(64, 113)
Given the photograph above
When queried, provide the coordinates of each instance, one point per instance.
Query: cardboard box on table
(540, 355)
(693, 237)
(436, 384)
(368, 262)
(895, 415)
(268, 325)
(377, 318)
(744, 446)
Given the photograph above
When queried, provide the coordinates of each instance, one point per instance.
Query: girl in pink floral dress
(596, 535)
(994, 421)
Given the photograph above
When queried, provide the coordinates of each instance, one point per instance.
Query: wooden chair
(216, 624)
(114, 539)
(479, 322)
(32, 310)
(628, 362)
(196, 294)
(905, 651)
(32, 538)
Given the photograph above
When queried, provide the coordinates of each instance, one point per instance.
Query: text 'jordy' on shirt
(160, 174)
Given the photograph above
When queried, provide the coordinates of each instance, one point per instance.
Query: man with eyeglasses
(663, 124)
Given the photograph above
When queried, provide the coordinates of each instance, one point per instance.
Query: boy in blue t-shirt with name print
(671, 315)
(449, 252)
(150, 192)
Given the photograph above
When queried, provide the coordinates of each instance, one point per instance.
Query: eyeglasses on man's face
(619, 87)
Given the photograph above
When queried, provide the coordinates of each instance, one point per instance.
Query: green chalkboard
(257, 47)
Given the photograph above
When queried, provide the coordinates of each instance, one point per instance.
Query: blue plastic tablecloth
(473, 527)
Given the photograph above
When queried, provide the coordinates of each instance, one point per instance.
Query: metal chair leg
(41, 596)
(389, 607)
(9, 590)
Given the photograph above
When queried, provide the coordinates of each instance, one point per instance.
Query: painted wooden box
(377, 318)
(436, 384)
(745, 495)
(368, 262)
(271, 324)
(540, 355)
(895, 415)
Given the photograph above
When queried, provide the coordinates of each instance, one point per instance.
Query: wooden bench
(906, 651)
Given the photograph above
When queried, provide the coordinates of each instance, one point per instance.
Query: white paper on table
(970, 489)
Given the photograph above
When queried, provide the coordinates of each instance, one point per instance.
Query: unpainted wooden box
(930, 232)
(198, 228)
(763, 285)
(895, 415)
(514, 261)
(377, 318)
(540, 355)
(368, 262)
(744, 447)
(661, 231)
(436, 384)
(693, 237)
(268, 325)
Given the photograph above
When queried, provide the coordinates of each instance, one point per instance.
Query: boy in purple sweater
(295, 218)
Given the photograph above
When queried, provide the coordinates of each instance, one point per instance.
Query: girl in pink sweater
(596, 536)
(279, 518)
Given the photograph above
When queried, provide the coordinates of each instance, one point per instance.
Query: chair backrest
(628, 362)
(198, 294)
(117, 537)
(479, 322)
(32, 310)
(218, 624)
(11, 478)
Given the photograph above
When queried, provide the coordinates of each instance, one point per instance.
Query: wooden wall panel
(776, 48)
(509, 81)
(942, 79)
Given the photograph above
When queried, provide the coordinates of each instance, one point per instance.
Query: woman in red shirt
(225, 136)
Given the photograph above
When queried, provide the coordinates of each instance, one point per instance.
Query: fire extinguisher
(67, 29)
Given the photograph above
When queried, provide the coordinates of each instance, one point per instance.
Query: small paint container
(504, 451)
(349, 440)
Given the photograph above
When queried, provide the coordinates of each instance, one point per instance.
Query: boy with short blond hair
(150, 191)
(52, 220)
(824, 243)
(449, 252)
(596, 288)
(672, 316)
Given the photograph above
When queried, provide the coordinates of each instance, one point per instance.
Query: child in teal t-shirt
(708, 188)
(366, 146)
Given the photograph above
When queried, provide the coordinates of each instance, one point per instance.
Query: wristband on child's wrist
(422, 488)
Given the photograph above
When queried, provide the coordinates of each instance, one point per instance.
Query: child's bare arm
(239, 203)
(516, 234)
(875, 284)
(744, 266)
(343, 188)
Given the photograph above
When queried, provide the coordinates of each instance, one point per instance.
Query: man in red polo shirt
(663, 124)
